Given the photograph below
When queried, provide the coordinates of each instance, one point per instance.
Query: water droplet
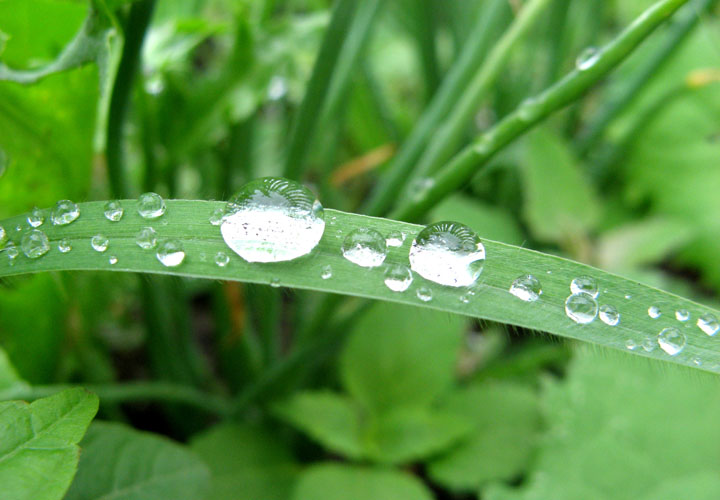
(12, 252)
(587, 58)
(424, 294)
(630, 344)
(170, 253)
(36, 217)
(113, 211)
(697, 361)
(151, 205)
(671, 340)
(398, 277)
(275, 282)
(99, 242)
(654, 312)
(464, 298)
(609, 315)
(18, 228)
(326, 273)
(64, 213)
(648, 344)
(581, 307)
(365, 247)
(217, 216)
(526, 288)
(3, 237)
(584, 284)
(64, 245)
(222, 259)
(708, 323)
(113, 260)
(273, 220)
(682, 315)
(628, 296)
(146, 238)
(395, 239)
(448, 253)
(34, 244)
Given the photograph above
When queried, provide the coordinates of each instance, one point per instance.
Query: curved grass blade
(188, 221)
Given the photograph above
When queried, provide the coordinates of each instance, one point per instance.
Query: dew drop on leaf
(64, 213)
(448, 253)
(708, 323)
(365, 247)
(398, 277)
(113, 260)
(275, 282)
(526, 288)
(151, 205)
(584, 284)
(424, 294)
(34, 244)
(99, 242)
(326, 272)
(630, 344)
(64, 245)
(682, 315)
(654, 312)
(146, 238)
(609, 315)
(581, 307)
(648, 344)
(273, 220)
(216, 217)
(222, 259)
(671, 340)
(113, 211)
(36, 217)
(587, 59)
(12, 252)
(395, 238)
(170, 253)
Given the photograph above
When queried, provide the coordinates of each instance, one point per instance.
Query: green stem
(316, 93)
(466, 163)
(425, 34)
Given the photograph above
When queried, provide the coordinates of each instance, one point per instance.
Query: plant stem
(316, 93)
(425, 35)
(466, 163)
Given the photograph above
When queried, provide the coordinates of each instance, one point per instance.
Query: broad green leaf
(559, 201)
(640, 426)
(38, 443)
(124, 464)
(331, 419)
(246, 461)
(506, 418)
(399, 357)
(488, 221)
(346, 482)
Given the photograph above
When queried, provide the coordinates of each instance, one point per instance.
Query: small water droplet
(99, 243)
(708, 323)
(326, 272)
(424, 294)
(222, 259)
(64, 245)
(146, 238)
(398, 277)
(628, 296)
(275, 282)
(671, 340)
(526, 288)
(217, 216)
(151, 205)
(12, 252)
(3, 237)
(609, 315)
(395, 239)
(18, 228)
(170, 253)
(648, 344)
(448, 253)
(36, 217)
(630, 344)
(584, 284)
(273, 220)
(581, 307)
(464, 298)
(654, 312)
(34, 244)
(113, 260)
(682, 315)
(587, 58)
(697, 361)
(64, 213)
(113, 211)
(365, 247)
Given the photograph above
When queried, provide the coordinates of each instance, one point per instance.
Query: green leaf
(331, 419)
(124, 464)
(398, 357)
(345, 482)
(559, 202)
(246, 461)
(621, 428)
(38, 443)
(9, 378)
(506, 419)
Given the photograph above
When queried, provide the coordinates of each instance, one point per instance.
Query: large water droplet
(36, 217)
(682, 315)
(99, 242)
(587, 59)
(217, 216)
(113, 211)
(146, 238)
(398, 277)
(395, 239)
(448, 253)
(222, 259)
(584, 284)
(671, 340)
(64, 245)
(171, 253)
(365, 247)
(326, 272)
(708, 323)
(273, 220)
(609, 315)
(581, 307)
(654, 312)
(526, 288)
(34, 244)
(424, 294)
(64, 213)
(151, 205)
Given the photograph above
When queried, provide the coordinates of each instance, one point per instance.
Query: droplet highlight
(654, 312)
(365, 247)
(682, 315)
(526, 288)
(113, 260)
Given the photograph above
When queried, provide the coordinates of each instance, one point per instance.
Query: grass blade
(188, 221)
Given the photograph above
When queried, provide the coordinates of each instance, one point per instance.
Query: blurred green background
(407, 403)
